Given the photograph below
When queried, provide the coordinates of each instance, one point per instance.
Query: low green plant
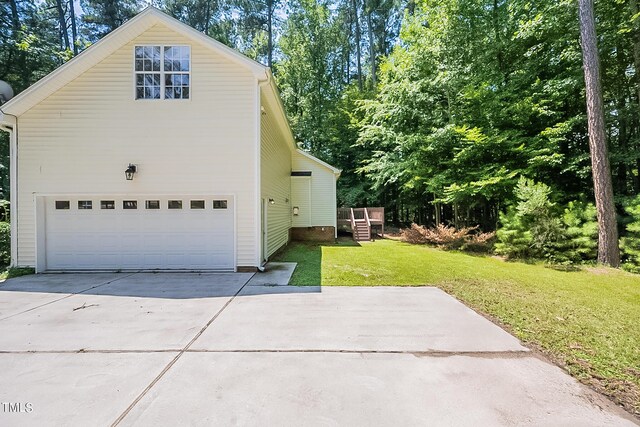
(17, 272)
(5, 244)
(630, 243)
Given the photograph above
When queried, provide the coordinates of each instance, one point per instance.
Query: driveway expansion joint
(177, 357)
(519, 354)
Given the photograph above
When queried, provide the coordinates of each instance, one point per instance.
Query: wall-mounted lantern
(131, 170)
(272, 202)
(296, 210)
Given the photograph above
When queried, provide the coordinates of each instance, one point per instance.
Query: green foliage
(579, 242)
(631, 241)
(514, 240)
(103, 16)
(530, 228)
(536, 228)
(17, 272)
(5, 244)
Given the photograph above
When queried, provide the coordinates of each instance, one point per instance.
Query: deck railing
(372, 216)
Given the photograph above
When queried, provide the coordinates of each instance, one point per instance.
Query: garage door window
(107, 204)
(175, 204)
(129, 204)
(85, 204)
(219, 204)
(152, 204)
(197, 204)
(62, 204)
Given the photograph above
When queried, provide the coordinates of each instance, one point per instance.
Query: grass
(587, 321)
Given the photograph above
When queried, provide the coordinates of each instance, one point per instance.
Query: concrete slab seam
(176, 358)
(66, 296)
(418, 353)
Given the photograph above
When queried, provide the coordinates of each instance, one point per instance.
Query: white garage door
(150, 232)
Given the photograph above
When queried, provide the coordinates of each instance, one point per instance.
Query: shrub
(481, 242)
(414, 234)
(630, 243)
(449, 237)
(536, 228)
(513, 238)
(579, 241)
(5, 244)
(529, 229)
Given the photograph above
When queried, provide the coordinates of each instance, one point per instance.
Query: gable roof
(95, 53)
(137, 25)
(320, 162)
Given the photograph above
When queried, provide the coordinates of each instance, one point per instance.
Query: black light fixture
(131, 170)
(272, 202)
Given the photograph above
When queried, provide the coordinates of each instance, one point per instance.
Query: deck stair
(360, 221)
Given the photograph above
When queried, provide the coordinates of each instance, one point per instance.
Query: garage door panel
(96, 238)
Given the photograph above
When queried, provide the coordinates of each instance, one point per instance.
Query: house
(159, 148)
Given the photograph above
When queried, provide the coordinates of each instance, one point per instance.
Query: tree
(608, 250)
(103, 16)
(257, 27)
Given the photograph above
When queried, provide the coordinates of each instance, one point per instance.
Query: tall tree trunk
(372, 50)
(608, 251)
(270, 10)
(636, 45)
(74, 30)
(62, 20)
(356, 21)
(207, 18)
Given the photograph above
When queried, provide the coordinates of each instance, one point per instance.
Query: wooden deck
(360, 221)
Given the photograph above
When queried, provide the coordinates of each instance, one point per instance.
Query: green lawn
(588, 321)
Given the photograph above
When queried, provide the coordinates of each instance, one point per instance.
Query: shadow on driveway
(142, 285)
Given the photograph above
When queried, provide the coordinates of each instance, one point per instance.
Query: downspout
(13, 184)
(261, 257)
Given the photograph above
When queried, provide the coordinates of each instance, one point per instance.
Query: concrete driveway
(211, 349)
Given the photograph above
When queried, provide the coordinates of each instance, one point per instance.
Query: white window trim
(162, 73)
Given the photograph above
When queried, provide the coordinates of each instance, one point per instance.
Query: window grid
(162, 72)
(85, 204)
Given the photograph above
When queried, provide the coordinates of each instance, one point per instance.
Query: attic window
(163, 72)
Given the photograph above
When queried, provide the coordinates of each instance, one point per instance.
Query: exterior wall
(317, 234)
(275, 171)
(301, 199)
(323, 192)
(82, 137)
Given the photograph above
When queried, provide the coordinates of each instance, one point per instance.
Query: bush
(530, 228)
(630, 243)
(579, 242)
(5, 244)
(414, 234)
(448, 237)
(481, 242)
(536, 228)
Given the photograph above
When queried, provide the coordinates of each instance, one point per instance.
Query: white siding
(301, 199)
(323, 191)
(81, 138)
(275, 170)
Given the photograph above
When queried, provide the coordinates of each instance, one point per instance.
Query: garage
(136, 233)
